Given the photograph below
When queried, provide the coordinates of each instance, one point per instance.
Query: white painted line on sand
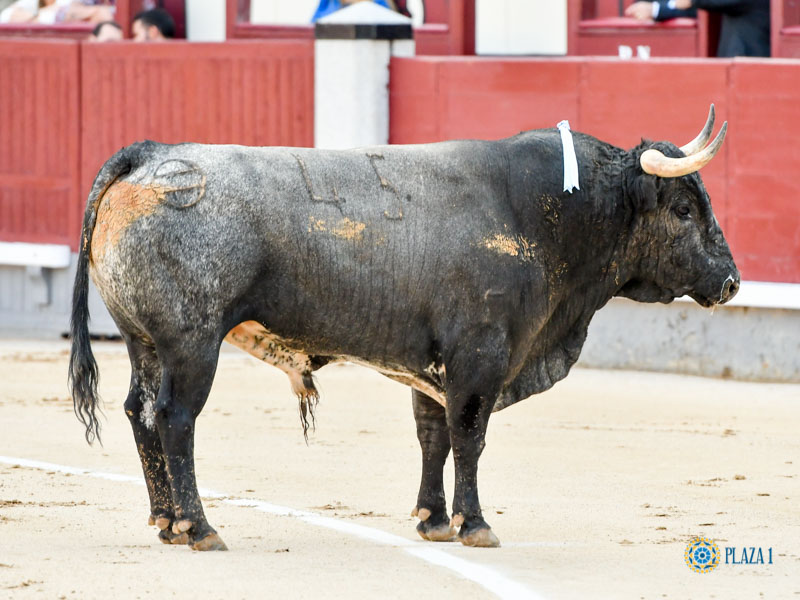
(485, 576)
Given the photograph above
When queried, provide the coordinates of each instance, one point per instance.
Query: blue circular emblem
(702, 555)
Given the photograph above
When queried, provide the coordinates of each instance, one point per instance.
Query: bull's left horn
(655, 163)
(701, 140)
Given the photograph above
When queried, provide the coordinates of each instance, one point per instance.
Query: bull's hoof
(167, 537)
(482, 537)
(436, 533)
(434, 527)
(211, 542)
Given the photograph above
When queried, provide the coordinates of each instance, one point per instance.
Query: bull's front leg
(434, 441)
(474, 382)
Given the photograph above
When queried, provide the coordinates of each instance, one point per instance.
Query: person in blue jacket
(745, 23)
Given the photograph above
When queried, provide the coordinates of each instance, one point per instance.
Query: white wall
(521, 27)
(283, 12)
(205, 20)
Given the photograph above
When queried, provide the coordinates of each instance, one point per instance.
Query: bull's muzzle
(715, 290)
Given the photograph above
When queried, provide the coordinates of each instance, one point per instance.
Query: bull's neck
(587, 235)
(592, 254)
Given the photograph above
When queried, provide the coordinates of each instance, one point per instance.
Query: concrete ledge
(35, 305)
(742, 342)
(19, 254)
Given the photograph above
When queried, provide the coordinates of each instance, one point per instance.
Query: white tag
(570, 160)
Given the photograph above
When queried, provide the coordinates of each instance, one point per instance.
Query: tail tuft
(307, 403)
(83, 374)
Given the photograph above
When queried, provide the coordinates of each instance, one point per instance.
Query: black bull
(461, 269)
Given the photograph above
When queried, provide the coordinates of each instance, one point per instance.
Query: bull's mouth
(703, 300)
(728, 290)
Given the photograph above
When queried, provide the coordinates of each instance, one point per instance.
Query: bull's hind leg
(434, 441)
(185, 383)
(140, 407)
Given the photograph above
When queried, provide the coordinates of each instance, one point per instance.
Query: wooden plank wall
(66, 106)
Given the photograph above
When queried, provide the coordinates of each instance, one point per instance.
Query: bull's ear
(644, 191)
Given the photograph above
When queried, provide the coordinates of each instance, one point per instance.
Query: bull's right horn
(701, 140)
(655, 163)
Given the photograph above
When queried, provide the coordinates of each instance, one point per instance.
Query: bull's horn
(655, 163)
(701, 140)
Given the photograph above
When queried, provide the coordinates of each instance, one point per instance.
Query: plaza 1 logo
(702, 555)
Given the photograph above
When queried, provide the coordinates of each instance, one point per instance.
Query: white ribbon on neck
(570, 160)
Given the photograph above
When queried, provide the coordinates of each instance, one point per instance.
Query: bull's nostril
(729, 289)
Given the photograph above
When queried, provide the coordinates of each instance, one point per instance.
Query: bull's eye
(683, 210)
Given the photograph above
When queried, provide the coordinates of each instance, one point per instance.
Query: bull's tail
(83, 374)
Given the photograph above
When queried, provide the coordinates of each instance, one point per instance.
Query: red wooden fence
(753, 183)
(66, 106)
(257, 93)
(39, 140)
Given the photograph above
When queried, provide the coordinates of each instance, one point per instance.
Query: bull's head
(679, 242)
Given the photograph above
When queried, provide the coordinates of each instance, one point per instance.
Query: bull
(461, 269)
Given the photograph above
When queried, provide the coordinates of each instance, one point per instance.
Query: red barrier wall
(753, 181)
(256, 93)
(66, 107)
(39, 131)
(764, 190)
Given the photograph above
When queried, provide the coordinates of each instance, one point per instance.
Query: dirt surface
(593, 488)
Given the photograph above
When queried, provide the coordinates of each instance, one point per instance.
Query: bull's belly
(255, 339)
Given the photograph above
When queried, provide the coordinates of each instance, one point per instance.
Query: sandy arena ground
(594, 489)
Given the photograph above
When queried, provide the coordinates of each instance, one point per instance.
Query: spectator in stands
(745, 23)
(107, 31)
(50, 12)
(155, 25)
(326, 7)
